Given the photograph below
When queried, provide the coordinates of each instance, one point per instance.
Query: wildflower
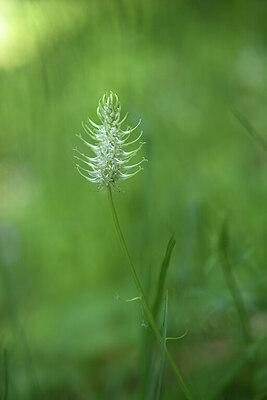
(110, 163)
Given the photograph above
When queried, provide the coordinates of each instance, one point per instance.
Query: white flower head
(109, 165)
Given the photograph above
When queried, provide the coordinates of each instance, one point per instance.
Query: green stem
(143, 298)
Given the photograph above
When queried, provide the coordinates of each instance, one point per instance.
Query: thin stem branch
(143, 298)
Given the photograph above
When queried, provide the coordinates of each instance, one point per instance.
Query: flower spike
(109, 165)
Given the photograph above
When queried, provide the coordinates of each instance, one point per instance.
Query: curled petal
(93, 124)
(94, 148)
(121, 142)
(124, 119)
(134, 141)
(132, 153)
(93, 159)
(134, 165)
(93, 180)
(127, 176)
(89, 131)
(132, 129)
(93, 166)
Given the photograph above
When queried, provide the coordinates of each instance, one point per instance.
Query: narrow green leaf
(148, 374)
(162, 276)
(163, 348)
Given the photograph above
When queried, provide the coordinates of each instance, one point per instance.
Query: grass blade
(163, 348)
(147, 375)
(162, 276)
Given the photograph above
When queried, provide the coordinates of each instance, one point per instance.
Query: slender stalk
(143, 298)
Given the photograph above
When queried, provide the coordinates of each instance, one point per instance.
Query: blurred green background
(195, 73)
